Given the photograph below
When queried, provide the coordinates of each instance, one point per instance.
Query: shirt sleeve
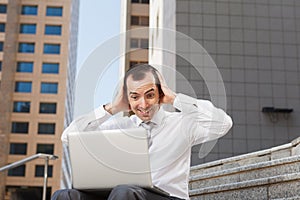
(86, 122)
(203, 121)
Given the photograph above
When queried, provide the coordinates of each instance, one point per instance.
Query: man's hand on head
(120, 102)
(169, 96)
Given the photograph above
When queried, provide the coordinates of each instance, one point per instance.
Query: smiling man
(171, 136)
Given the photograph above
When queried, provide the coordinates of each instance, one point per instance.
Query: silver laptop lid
(104, 159)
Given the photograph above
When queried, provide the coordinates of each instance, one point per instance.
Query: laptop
(101, 160)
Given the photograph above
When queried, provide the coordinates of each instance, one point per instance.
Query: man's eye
(150, 95)
(134, 97)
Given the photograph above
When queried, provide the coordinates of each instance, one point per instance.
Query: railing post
(45, 178)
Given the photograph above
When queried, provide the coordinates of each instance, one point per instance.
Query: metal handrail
(47, 157)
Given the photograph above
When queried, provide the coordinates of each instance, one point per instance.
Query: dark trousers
(121, 192)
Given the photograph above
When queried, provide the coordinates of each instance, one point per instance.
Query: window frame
(50, 48)
(23, 86)
(49, 65)
(47, 131)
(22, 151)
(52, 12)
(24, 67)
(48, 31)
(21, 106)
(30, 29)
(15, 130)
(25, 45)
(32, 10)
(49, 88)
(44, 110)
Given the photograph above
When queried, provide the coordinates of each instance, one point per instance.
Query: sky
(98, 22)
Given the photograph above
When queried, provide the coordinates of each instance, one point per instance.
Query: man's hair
(138, 72)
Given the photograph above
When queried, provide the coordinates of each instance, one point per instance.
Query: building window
(2, 27)
(48, 108)
(54, 11)
(29, 10)
(140, 1)
(46, 128)
(144, 21)
(21, 106)
(139, 21)
(3, 8)
(23, 87)
(49, 88)
(18, 148)
(45, 148)
(133, 63)
(144, 43)
(26, 47)
(139, 43)
(51, 48)
(26, 67)
(50, 68)
(1, 46)
(135, 20)
(19, 127)
(39, 170)
(0, 66)
(52, 30)
(17, 171)
(134, 43)
(28, 28)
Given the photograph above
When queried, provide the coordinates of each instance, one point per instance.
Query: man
(171, 137)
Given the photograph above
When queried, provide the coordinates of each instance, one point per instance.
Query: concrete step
(247, 172)
(275, 187)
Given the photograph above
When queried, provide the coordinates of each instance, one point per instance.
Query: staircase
(268, 174)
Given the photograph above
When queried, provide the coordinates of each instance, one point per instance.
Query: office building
(255, 47)
(38, 44)
(134, 15)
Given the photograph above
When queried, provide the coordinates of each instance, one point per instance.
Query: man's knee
(126, 192)
(66, 194)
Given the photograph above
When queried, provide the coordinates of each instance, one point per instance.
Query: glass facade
(48, 108)
(21, 106)
(28, 28)
(49, 88)
(50, 68)
(26, 47)
(51, 48)
(53, 30)
(26, 67)
(54, 11)
(19, 127)
(29, 10)
(23, 87)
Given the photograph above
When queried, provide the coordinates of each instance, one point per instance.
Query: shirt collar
(156, 119)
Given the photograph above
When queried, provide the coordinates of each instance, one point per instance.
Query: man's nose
(143, 103)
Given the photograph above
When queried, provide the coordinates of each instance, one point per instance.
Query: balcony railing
(46, 157)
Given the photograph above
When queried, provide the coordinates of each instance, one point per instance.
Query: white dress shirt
(172, 136)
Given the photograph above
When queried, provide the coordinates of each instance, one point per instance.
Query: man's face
(143, 96)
